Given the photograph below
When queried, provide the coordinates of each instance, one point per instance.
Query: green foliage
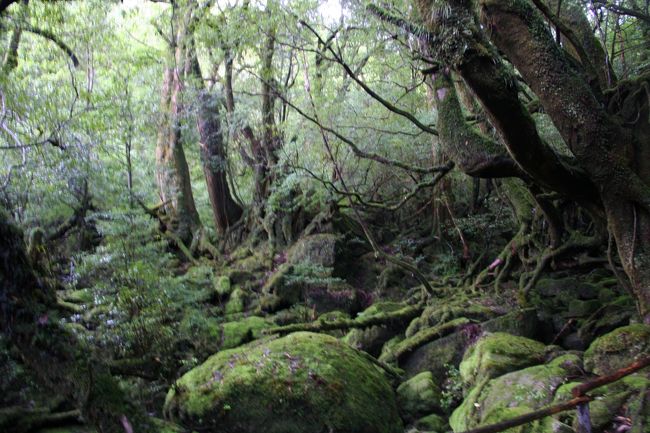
(452, 388)
(312, 274)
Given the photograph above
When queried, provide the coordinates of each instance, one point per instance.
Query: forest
(324, 216)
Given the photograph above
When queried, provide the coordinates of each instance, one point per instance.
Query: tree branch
(367, 89)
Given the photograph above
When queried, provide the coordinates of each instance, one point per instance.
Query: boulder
(618, 349)
(237, 301)
(514, 394)
(303, 382)
(223, 286)
(318, 249)
(499, 353)
(418, 396)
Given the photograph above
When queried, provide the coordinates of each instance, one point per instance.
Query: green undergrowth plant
(138, 301)
(452, 391)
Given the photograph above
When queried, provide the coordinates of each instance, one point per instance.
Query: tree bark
(213, 157)
(172, 171)
(612, 150)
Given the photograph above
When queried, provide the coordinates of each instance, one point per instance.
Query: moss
(618, 349)
(418, 396)
(432, 423)
(223, 286)
(235, 334)
(579, 308)
(524, 390)
(372, 339)
(499, 353)
(81, 296)
(434, 315)
(302, 382)
(237, 301)
(387, 350)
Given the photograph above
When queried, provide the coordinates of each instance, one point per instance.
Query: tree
(603, 122)
(172, 172)
(225, 210)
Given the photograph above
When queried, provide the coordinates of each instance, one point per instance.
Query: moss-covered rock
(418, 396)
(514, 394)
(237, 301)
(223, 286)
(625, 398)
(432, 423)
(618, 349)
(299, 383)
(235, 334)
(434, 315)
(317, 249)
(498, 353)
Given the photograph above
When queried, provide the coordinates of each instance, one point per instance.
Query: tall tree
(172, 172)
(606, 128)
(225, 210)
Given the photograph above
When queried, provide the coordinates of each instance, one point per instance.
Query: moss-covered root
(424, 336)
(403, 315)
(60, 362)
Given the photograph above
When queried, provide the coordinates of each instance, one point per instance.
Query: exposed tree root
(403, 316)
(427, 335)
(21, 420)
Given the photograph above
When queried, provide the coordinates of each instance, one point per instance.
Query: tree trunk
(172, 172)
(213, 157)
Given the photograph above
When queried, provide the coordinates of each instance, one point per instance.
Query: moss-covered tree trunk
(172, 172)
(61, 363)
(607, 132)
(226, 211)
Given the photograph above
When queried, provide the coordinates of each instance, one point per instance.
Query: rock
(303, 382)
(627, 397)
(393, 281)
(614, 315)
(498, 353)
(618, 349)
(514, 394)
(432, 423)
(313, 285)
(237, 301)
(235, 334)
(222, 286)
(437, 356)
(580, 308)
(573, 341)
(318, 249)
(418, 396)
(330, 296)
(434, 315)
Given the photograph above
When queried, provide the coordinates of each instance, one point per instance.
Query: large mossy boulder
(303, 382)
(618, 349)
(514, 394)
(499, 353)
